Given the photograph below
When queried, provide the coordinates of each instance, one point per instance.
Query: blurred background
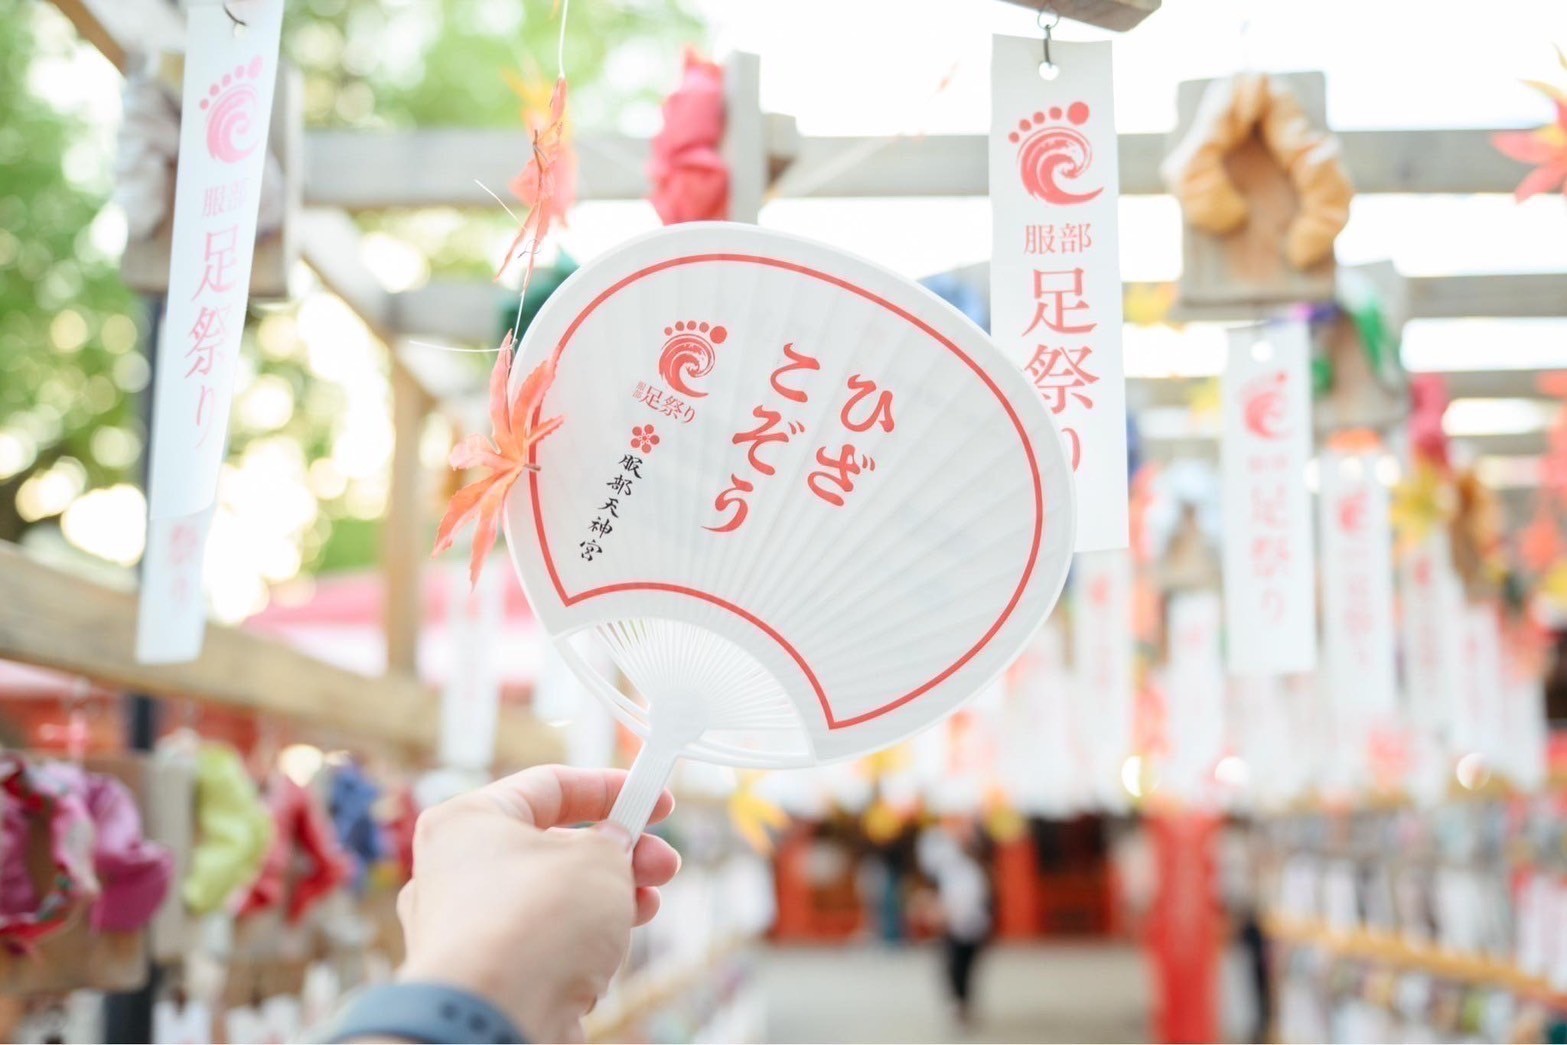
(1100, 894)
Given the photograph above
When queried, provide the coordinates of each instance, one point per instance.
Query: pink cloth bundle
(96, 846)
(689, 176)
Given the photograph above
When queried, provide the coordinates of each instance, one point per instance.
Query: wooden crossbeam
(1154, 392)
(364, 170)
(1514, 296)
(120, 29)
(464, 311)
(1119, 15)
(55, 619)
(1205, 445)
(370, 170)
(1435, 161)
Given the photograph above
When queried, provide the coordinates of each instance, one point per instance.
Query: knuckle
(430, 824)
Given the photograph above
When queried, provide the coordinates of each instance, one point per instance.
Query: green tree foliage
(68, 368)
(70, 353)
(434, 63)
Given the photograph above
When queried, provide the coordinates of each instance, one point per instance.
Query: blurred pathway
(1063, 993)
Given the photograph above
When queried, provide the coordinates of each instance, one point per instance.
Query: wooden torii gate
(344, 172)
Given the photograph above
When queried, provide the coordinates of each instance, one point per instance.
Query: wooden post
(745, 137)
(1119, 15)
(403, 542)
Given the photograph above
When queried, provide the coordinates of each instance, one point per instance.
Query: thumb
(615, 834)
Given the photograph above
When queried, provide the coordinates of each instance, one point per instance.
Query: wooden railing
(56, 619)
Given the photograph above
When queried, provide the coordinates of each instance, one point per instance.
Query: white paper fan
(805, 505)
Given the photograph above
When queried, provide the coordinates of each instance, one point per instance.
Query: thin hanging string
(790, 184)
(451, 348)
(522, 292)
(533, 247)
(509, 212)
(560, 44)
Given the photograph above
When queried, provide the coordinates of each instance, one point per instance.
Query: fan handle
(639, 794)
(671, 728)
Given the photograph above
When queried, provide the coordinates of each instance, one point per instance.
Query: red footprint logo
(1264, 409)
(688, 355)
(1053, 152)
(234, 124)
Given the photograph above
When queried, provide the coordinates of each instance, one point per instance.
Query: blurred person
(1236, 884)
(963, 899)
(514, 920)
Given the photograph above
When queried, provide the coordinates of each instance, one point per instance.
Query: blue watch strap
(425, 1012)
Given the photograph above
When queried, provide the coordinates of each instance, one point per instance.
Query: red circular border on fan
(832, 721)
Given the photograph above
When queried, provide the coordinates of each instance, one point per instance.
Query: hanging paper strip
(171, 618)
(1055, 272)
(1478, 716)
(1357, 606)
(1269, 584)
(229, 77)
(1102, 654)
(1432, 607)
(1049, 686)
(1525, 738)
(1022, 738)
(1194, 696)
(1038, 759)
(471, 697)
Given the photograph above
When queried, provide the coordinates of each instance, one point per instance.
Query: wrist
(421, 1012)
(521, 1004)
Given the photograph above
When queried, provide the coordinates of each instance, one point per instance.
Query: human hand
(509, 904)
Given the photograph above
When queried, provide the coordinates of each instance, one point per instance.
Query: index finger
(552, 796)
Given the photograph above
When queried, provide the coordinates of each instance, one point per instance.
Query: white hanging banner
(1276, 734)
(1526, 736)
(229, 77)
(1060, 776)
(171, 616)
(1055, 269)
(1102, 656)
(1023, 739)
(1357, 603)
(1432, 609)
(471, 698)
(1478, 715)
(1194, 695)
(1269, 578)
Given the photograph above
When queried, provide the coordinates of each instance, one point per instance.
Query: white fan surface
(811, 630)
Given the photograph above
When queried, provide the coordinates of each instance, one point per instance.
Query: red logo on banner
(1264, 407)
(234, 127)
(1053, 151)
(688, 354)
(1352, 512)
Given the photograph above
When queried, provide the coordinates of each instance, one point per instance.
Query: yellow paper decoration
(753, 816)
(1424, 501)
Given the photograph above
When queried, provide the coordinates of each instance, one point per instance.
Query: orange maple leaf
(505, 453)
(547, 184)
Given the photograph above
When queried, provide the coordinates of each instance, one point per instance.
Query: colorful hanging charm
(689, 176)
(1544, 148)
